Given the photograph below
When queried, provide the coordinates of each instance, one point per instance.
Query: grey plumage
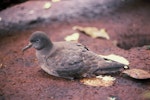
(69, 59)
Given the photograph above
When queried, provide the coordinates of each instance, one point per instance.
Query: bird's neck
(45, 51)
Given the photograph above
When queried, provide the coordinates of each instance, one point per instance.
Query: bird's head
(38, 40)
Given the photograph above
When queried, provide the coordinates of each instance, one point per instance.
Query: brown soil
(21, 78)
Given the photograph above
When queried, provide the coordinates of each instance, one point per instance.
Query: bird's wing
(68, 60)
(77, 61)
(99, 65)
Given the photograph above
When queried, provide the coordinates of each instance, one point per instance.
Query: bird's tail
(110, 67)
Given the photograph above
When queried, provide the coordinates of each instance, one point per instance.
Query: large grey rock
(31, 12)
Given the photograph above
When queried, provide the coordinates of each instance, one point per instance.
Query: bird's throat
(45, 50)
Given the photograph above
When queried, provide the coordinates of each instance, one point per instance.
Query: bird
(69, 60)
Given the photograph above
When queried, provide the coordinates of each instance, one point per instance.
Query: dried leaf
(137, 73)
(102, 33)
(1, 65)
(116, 58)
(47, 5)
(146, 95)
(55, 0)
(0, 19)
(99, 81)
(93, 32)
(73, 37)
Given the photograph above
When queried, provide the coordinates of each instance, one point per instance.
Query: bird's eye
(38, 40)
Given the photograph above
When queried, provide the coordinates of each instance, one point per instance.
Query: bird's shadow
(145, 81)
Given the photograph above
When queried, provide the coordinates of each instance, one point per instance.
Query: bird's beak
(27, 47)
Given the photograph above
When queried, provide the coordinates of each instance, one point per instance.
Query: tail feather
(109, 68)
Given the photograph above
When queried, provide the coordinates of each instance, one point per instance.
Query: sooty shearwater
(69, 60)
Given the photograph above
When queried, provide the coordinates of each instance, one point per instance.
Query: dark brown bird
(69, 60)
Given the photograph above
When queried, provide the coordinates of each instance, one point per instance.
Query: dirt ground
(21, 78)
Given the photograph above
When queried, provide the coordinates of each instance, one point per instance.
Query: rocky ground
(126, 22)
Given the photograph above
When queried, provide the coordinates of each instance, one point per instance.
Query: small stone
(31, 12)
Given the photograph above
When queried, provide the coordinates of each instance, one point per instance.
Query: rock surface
(128, 27)
(27, 15)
